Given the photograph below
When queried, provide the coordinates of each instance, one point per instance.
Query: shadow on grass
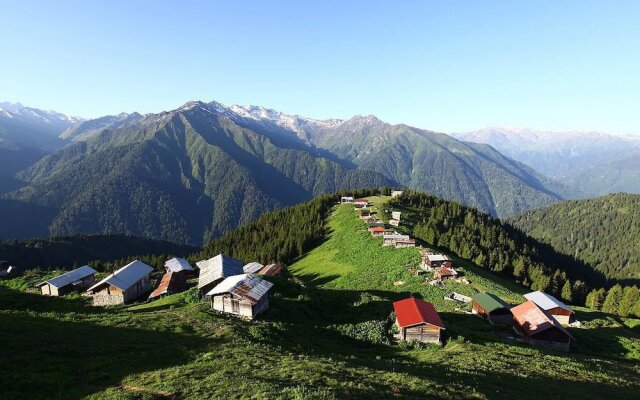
(44, 357)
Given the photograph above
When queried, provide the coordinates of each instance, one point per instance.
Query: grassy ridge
(326, 336)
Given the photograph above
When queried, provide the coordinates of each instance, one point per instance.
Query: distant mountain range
(193, 173)
(593, 163)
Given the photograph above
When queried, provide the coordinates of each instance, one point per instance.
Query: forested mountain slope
(186, 176)
(78, 250)
(474, 174)
(26, 135)
(603, 232)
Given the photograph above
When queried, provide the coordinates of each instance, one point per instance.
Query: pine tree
(595, 299)
(636, 309)
(630, 297)
(567, 291)
(612, 302)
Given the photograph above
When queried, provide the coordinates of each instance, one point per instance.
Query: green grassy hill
(326, 336)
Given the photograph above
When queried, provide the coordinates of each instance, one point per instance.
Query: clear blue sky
(445, 65)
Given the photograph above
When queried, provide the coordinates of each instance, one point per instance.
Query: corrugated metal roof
(218, 267)
(69, 277)
(489, 302)
(271, 270)
(546, 301)
(414, 311)
(252, 267)
(437, 257)
(177, 265)
(534, 319)
(246, 286)
(169, 284)
(126, 276)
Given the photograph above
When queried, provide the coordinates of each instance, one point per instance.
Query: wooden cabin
(375, 223)
(171, 283)
(361, 203)
(252, 267)
(243, 295)
(492, 308)
(125, 285)
(179, 266)
(346, 199)
(396, 215)
(402, 243)
(444, 273)
(271, 270)
(538, 327)
(73, 281)
(390, 240)
(560, 311)
(364, 214)
(433, 261)
(376, 231)
(418, 320)
(215, 270)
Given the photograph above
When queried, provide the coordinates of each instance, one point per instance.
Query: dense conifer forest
(603, 232)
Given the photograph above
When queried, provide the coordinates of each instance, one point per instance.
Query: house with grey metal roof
(126, 284)
(215, 270)
(176, 265)
(252, 267)
(557, 309)
(243, 295)
(71, 281)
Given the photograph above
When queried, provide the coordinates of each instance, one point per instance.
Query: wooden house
(433, 261)
(376, 231)
(538, 327)
(243, 295)
(364, 214)
(418, 320)
(390, 240)
(444, 273)
(252, 267)
(560, 311)
(73, 281)
(178, 265)
(492, 308)
(396, 215)
(171, 283)
(402, 243)
(396, 193)
(375, 223)
(271, 270)
(125, 285)
(346, 199)
(361, 203)
(215, 270)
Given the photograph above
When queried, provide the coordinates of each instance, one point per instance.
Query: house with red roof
(536, 326)
(418, 320)
(376, 230)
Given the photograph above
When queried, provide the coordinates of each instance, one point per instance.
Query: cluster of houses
(231, 286)
(540, 320)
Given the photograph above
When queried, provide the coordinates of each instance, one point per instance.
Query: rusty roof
(271, 270)
(444, 271)
(246, 286)
(534, 319)
(169, 284)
